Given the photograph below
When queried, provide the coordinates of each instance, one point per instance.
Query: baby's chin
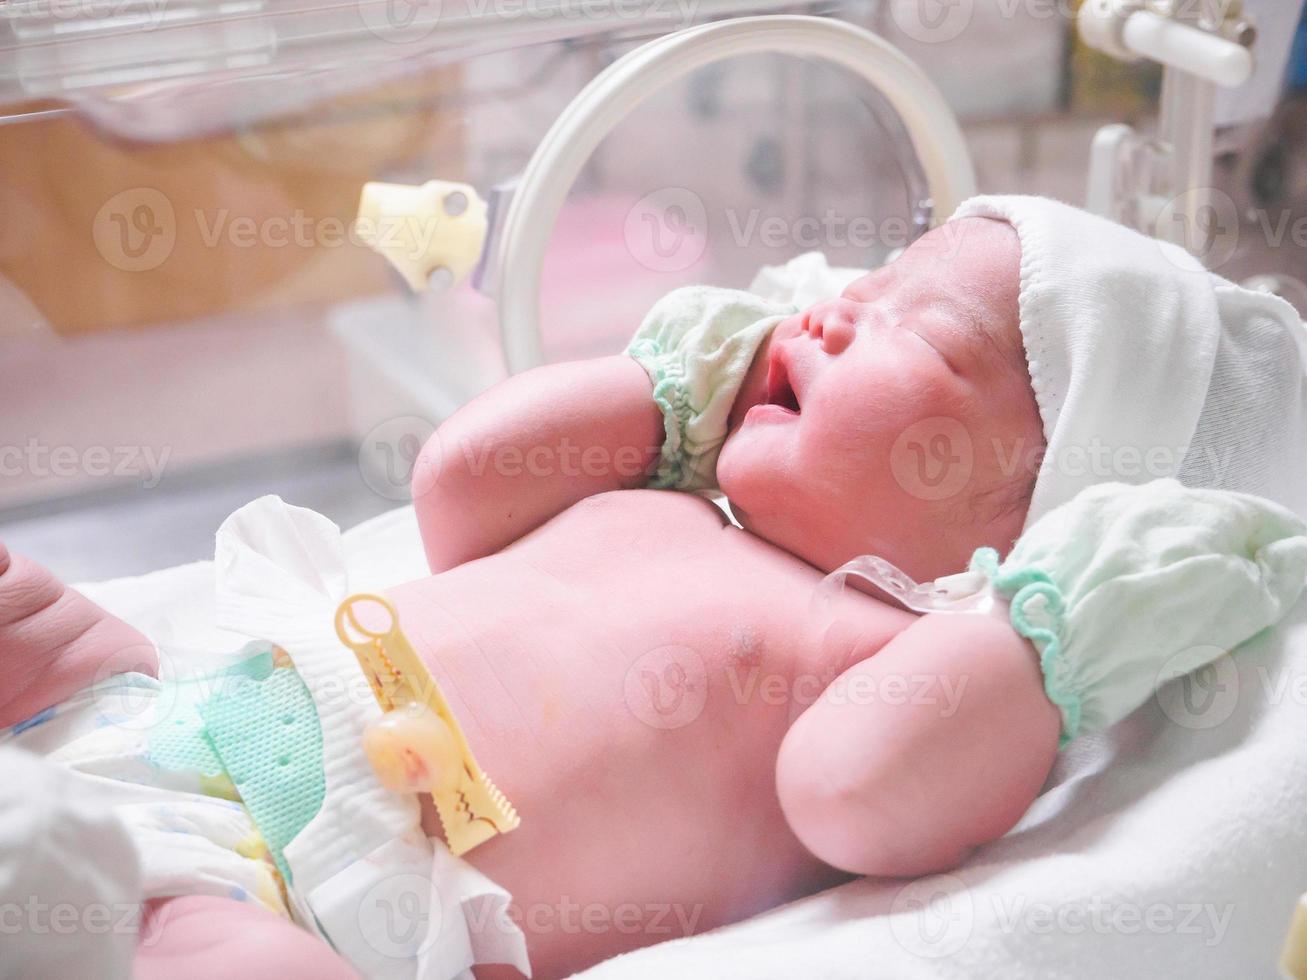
(752, 473)
(746, 472)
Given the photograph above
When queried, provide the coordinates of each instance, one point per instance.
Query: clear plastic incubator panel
(181, 270)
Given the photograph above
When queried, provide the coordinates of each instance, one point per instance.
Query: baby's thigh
(201, 936)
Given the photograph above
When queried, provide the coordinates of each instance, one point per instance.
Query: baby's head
(1008, 359)
(898, 419)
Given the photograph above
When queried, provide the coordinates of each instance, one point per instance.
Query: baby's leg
(54, 641)
(917, 755)
(201, 936)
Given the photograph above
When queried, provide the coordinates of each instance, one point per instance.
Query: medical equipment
(417, 746)
(1161, 183)
(513, 263)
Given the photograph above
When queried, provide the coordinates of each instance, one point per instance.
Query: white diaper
(363, 875)
(191, 841)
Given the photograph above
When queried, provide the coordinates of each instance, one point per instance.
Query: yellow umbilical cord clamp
(418, 746)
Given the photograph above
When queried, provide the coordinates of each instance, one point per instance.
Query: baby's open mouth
(779, 390)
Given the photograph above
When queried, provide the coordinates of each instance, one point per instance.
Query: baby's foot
(54, 641)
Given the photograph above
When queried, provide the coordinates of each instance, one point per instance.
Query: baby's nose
(833, 324)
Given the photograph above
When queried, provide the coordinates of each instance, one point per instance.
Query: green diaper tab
(257, 723)
(179, 742)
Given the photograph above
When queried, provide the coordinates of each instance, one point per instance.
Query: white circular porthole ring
(614, 93)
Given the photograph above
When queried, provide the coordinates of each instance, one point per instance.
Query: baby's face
(897, 420)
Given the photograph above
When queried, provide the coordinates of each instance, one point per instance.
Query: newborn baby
(676, 718)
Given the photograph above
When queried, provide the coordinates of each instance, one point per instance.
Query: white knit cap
(1146, 365)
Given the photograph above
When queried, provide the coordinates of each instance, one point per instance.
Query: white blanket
(1174, 845)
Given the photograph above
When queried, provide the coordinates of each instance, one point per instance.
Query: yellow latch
(432, 233)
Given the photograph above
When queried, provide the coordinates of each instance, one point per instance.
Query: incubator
(209, 243)
(243, 237)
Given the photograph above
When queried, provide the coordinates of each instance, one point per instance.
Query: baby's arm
(528, 449)
(913, 757)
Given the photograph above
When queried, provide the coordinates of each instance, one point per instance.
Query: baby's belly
(633, 718)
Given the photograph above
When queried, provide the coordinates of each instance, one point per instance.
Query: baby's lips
(777, 383)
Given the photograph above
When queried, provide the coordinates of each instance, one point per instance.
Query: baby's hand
(700, 348)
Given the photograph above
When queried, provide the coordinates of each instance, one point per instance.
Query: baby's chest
(648, 571)
(634, 607)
